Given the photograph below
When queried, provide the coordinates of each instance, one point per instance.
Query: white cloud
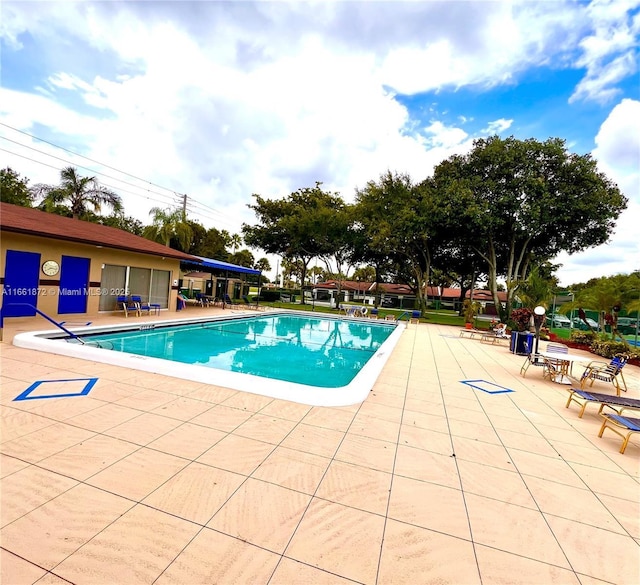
(600, 82)
(443, 136)
(220, 100)
(618, 147)
(608, 52)
(497, 126)
(194, 121)
(618, 156)
(503, 39)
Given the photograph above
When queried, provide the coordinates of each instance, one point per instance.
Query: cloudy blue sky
(220, 100)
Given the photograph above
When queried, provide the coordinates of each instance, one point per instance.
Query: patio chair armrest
(594, 367)
(597, 365)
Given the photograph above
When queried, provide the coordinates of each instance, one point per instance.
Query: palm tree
(168, 224)
(602, 295)
(631, 293)
(79, 193)
(536, 290)
(236, 241)
(263, 265)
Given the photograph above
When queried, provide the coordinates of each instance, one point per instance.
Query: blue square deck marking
(61, 389)
(488, 387)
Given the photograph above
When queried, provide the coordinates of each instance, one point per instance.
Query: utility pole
(184, 207)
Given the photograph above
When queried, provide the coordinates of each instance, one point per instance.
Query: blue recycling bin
(521, 342)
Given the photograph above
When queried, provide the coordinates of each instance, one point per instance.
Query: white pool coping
(353, 393)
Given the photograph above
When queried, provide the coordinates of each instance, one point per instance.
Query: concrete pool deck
(150, 479)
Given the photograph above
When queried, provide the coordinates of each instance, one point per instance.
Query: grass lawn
(439, 316)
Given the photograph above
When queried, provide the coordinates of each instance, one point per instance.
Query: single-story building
(68, 268)
(485, 298)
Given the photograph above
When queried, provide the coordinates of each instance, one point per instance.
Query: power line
(195, 212)
(81, 166)
(120, 189)
(85, 157)
(224, 218)
(31, 159)
(206, 207)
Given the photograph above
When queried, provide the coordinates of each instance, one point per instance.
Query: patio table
(566, 361)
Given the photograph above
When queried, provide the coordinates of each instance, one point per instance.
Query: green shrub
(610, 349)
(521, 318)
(269, 296)
(579, 336)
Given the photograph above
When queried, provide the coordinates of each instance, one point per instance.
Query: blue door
(74, 285)
(20, 293)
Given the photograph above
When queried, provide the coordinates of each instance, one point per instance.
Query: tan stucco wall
(50, 249)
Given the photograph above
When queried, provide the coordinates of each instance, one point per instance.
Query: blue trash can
(521, 342)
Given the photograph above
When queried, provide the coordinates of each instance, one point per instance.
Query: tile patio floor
(148, 479)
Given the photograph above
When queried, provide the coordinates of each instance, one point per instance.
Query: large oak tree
(519, 203)
(308, 223)
(398, 220)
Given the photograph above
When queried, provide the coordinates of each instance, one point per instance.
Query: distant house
(402, 295)
(485, 298)
(354, 287)
(390, 294)
(450, 295)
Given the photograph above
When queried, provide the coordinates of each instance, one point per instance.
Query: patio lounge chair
(496, 335)
(373, 313)
(187, 301)
(227, 301)
(558, 348)
(617, 403)
(606, 373)
(472, 332)
(415, 317)
(532, 359)
(142, 305)
(128, 306)
(203, 300)
(248, 303)
(616, 422)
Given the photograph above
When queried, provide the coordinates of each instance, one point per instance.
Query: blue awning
(226, 266)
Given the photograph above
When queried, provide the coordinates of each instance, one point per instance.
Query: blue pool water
(310, 350)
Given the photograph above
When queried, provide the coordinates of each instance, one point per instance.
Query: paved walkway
(150, 479)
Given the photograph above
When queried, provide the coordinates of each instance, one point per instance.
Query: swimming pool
(298, 356)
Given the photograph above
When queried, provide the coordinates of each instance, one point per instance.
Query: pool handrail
(39, 312)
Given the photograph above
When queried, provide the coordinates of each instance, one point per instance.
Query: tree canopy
(399, 220)
(13, 189)
(306, 224)
(519, 203)
(500, 211)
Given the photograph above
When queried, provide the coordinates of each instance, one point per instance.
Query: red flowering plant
(521, 318)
